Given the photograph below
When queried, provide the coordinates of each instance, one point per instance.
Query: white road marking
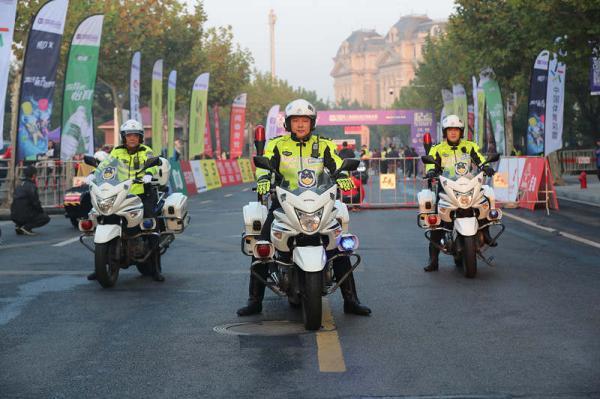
(577, 201)
(246, 189)
(550, 230)
(205, 201)
(66, 242)
(228, 195)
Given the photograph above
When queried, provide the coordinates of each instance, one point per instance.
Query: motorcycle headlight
(105, 204)
(309, 221)
(464, 199)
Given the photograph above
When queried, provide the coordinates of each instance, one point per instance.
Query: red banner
(188, 176)
(536, 183)
(237, 125)
(217, 130)
(208, 149)
(229, 171)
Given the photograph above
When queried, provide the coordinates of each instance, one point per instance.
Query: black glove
(488, 170)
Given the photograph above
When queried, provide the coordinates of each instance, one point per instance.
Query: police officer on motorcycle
(133, 153)
(296, 156)
(455, 155)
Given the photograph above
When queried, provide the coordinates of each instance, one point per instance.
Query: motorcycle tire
(312, 307)
(107, 271)
(469, 256)
(151, 265)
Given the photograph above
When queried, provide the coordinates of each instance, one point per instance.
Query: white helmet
(453, 121)
(300, 107)
(132, 126)
(100, 155)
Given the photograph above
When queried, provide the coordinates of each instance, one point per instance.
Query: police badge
(307, 178)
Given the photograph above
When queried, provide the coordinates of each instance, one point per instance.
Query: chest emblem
(108, 173)
(307, 178)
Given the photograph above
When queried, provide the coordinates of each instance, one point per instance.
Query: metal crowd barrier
(390, 182)
(53, 179)
(574, 161)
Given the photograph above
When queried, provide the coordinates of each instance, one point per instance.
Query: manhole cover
(265, 328)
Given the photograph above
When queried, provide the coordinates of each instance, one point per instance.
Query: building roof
(408, 25)
(361, 40)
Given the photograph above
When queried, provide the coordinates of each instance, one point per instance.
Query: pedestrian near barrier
(26, 210)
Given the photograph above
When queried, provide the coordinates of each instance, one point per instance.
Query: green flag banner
(198, 109)
(80, 81)
(157, 94)
(493, 99)
(460, 104)
(171, 113)
(480, 115)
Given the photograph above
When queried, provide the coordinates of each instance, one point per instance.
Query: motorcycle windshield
(324, 183)
(111, 171)
(457, 176)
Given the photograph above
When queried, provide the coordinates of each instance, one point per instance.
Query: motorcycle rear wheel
(469, 256)
(107, 270)
(312, 307)
(152, 264)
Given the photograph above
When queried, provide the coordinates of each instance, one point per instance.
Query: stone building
(371, 69)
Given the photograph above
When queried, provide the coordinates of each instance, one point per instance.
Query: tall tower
(272, 20)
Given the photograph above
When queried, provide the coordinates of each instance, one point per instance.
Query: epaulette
(325, 138)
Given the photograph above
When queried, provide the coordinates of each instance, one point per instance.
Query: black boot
(434, 254)
(91, 276)
(487, 238)
(158, 277)
(351, 303)
(256, 293)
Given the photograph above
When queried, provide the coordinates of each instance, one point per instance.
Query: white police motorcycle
(469, 206)
(121, 235)
(310, 223)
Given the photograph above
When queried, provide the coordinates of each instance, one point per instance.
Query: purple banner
(595, 76)
(420, 121)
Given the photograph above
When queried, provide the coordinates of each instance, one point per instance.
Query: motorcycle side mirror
(263, 163)
(90, 160)
(348, 165)
(493, 158)
(150, 162)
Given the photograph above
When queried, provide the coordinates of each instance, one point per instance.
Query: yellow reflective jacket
(456, 159)
(135, 162)
(301, 163)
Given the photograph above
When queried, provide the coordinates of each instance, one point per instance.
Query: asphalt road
(528, 327)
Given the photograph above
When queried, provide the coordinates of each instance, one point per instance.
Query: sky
(308, 33)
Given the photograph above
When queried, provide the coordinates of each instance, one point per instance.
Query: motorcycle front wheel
(312, 308)
(105, 264)
(469, 256)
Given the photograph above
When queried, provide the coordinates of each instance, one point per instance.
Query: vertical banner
(134, 87)
(555, 101)
(208, 148)
(536, 113)
(217, 130)
(198, 115)
(493, 100)
(7, 29)
(271, 124)
(80, 82)
(460, 104)
(480, 114)
(172, 85)
(157, 95)
(594, 74)
(237, 126)
(475, 110)
(39, 73)
(447, 109)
